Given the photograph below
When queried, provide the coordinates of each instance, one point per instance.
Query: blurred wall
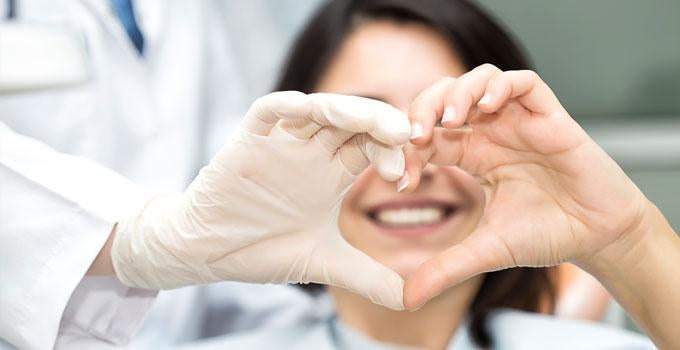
(605, 58)
(261, 32)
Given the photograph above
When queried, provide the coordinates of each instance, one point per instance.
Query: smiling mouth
(412, 216)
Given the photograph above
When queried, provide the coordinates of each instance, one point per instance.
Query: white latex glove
(266, 208)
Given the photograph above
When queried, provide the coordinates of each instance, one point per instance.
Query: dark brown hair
(476, 39)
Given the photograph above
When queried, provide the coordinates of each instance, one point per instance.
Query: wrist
(141, 250)
(640, 270)
(651, 233)
(102, 265)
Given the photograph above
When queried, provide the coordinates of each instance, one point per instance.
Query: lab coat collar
(345, 337)
(151, 17)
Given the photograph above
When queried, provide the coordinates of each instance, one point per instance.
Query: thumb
(347, 267)
(480, 252)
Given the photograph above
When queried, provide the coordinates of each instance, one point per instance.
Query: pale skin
(552, 195)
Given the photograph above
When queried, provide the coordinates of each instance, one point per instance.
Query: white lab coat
(74, 160)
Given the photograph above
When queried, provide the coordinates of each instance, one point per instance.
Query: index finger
(356, 114)
(349, 113)
(426, 110)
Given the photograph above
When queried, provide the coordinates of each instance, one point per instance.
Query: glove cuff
(139, 256)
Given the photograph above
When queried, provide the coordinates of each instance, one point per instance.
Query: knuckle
(497, 80)
(418, 111)
(462, 92)
(419, 103)
(488, 67)
(465, 78)
(421, 109)
(447, 80)
(260, 107)
(261, 101)
(531, 75)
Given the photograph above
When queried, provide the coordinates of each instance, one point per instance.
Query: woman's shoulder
(512, 329)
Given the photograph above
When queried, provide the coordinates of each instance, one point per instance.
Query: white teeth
(410, 216)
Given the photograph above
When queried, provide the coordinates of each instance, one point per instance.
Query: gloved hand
(266, 208)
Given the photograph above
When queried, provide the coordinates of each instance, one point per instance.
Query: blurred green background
(615, 59)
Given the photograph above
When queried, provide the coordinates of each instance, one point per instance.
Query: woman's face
(394, 62)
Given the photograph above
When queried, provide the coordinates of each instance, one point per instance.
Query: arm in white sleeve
(56, 212)
(103, 313)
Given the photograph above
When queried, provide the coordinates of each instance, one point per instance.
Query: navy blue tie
(126, 14)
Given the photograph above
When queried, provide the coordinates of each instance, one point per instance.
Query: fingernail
(416, 130)
(402, 183)
(449, 114)
(486, 99)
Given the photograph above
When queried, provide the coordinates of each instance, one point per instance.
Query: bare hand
(552, 194)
